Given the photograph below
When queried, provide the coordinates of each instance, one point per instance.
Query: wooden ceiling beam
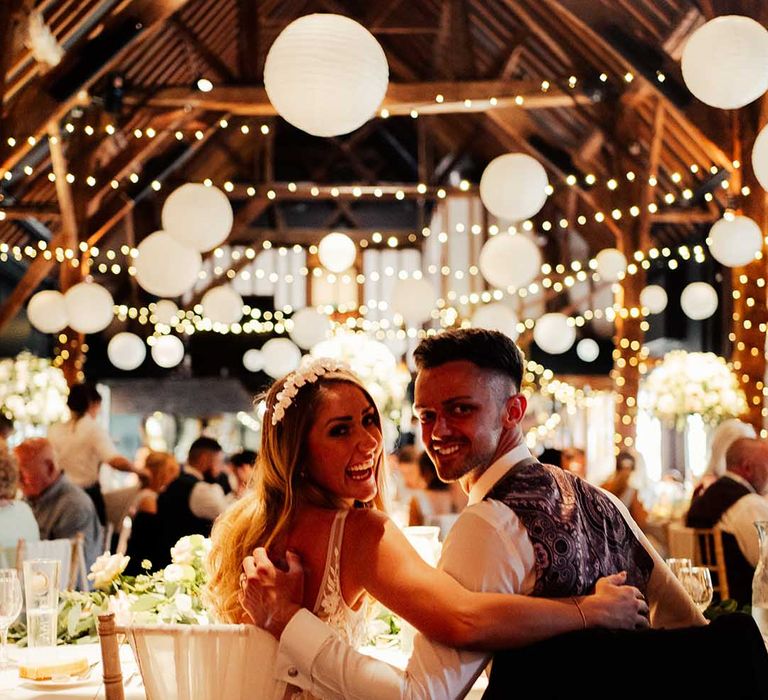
(401, 98)
(53, 95)
(14, 212)
(196, 44)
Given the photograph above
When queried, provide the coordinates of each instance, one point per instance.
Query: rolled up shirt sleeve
(207, 500)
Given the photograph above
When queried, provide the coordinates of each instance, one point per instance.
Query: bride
(317, 493)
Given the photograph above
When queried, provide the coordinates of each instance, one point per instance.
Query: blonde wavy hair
(264, 514)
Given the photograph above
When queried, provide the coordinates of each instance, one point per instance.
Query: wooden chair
(204, 662)
(708, 551)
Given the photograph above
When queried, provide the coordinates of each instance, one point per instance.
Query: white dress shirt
(81, 447)
(206, 501)
(488, 549)
(739, 520)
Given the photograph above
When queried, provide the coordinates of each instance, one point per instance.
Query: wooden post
(110, 658)
(749, 315)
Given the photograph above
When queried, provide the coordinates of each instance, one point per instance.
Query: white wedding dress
(349, 624)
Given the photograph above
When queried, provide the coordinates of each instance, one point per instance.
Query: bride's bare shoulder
(365, 525)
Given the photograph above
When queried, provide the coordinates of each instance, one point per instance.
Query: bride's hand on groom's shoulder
(269, 595)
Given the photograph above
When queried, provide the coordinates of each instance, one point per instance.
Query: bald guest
(61, 508)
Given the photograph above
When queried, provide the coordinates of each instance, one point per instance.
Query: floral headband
(309, 375)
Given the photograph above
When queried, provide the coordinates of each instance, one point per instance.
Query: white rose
(106, 569)
(120, 604)
(174, 573)
(183, 551)
(183, 603)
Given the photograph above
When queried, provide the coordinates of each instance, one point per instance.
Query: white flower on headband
(310, 374)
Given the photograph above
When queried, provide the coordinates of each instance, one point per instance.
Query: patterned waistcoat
(577, 532)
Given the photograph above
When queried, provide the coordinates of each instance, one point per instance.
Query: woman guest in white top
(17, 521)
(82, 445)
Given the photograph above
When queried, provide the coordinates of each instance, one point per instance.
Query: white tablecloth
(14, 688)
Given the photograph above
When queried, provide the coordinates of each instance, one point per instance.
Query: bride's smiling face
(344, 444)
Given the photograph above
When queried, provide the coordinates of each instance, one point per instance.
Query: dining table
(91, 687)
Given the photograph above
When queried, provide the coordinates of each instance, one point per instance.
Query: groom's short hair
(486, 349)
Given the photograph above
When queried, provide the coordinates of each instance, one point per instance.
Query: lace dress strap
(330, 586)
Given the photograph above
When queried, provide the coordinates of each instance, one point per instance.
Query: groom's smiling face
(460, 407)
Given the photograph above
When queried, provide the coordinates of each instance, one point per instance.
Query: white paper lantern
(510, 261)
(222, 304)
(337, 252)
(587, 350)
(414, 300)
(165, 311)
(735, 241)
(496, 317)
(725, 62)
(90, 307)
(514, 186)
(611, 264)
(165, 267)
(760, 157)
(309, 327)
(654, 298)
(253, 360)
(168, 351)
(280, 357)
(47, 311)
(553, 333)
(197, 216)
(126, 351)
(698, 300)
(326, 74)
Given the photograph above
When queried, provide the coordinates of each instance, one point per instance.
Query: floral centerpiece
(173, 595)
(32, 391)
(687, 383)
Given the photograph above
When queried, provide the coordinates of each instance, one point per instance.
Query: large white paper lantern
(253, 360)
(326, 74)
(760, 157)
(168, 351)
(309, 327)
(611, 264)
(510, 261)
(553, 333)
(126, 351)
(496, 317)
(725, 62)
(654, 298)
(698, 300)
(165, 267)
(222, 304)
(734, 241)
(47, 311)
(588, 350)
(514, 186)
(90, 307)
(414, 300)
(337, 252)
(198, 216)
(280, 357)
(165, 311)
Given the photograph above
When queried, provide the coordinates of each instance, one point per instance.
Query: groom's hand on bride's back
(271, 595)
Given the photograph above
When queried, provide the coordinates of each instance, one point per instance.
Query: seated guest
(734, 503)
(724, 436)
(17, 521)
(62, 510)
(163, 469)
(619, 485)
(243, 464)
(190, 503)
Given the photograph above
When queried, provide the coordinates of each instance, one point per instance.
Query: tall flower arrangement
(688, 383)
(32, 391)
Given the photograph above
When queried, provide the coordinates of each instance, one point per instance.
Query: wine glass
(698, 583)
(10, 607)
(676, 564)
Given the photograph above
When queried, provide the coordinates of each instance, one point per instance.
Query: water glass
(698, 582)
(10, 607)
(677, 564)
(41, 586)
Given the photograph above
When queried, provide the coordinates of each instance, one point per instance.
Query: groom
(528, 529)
